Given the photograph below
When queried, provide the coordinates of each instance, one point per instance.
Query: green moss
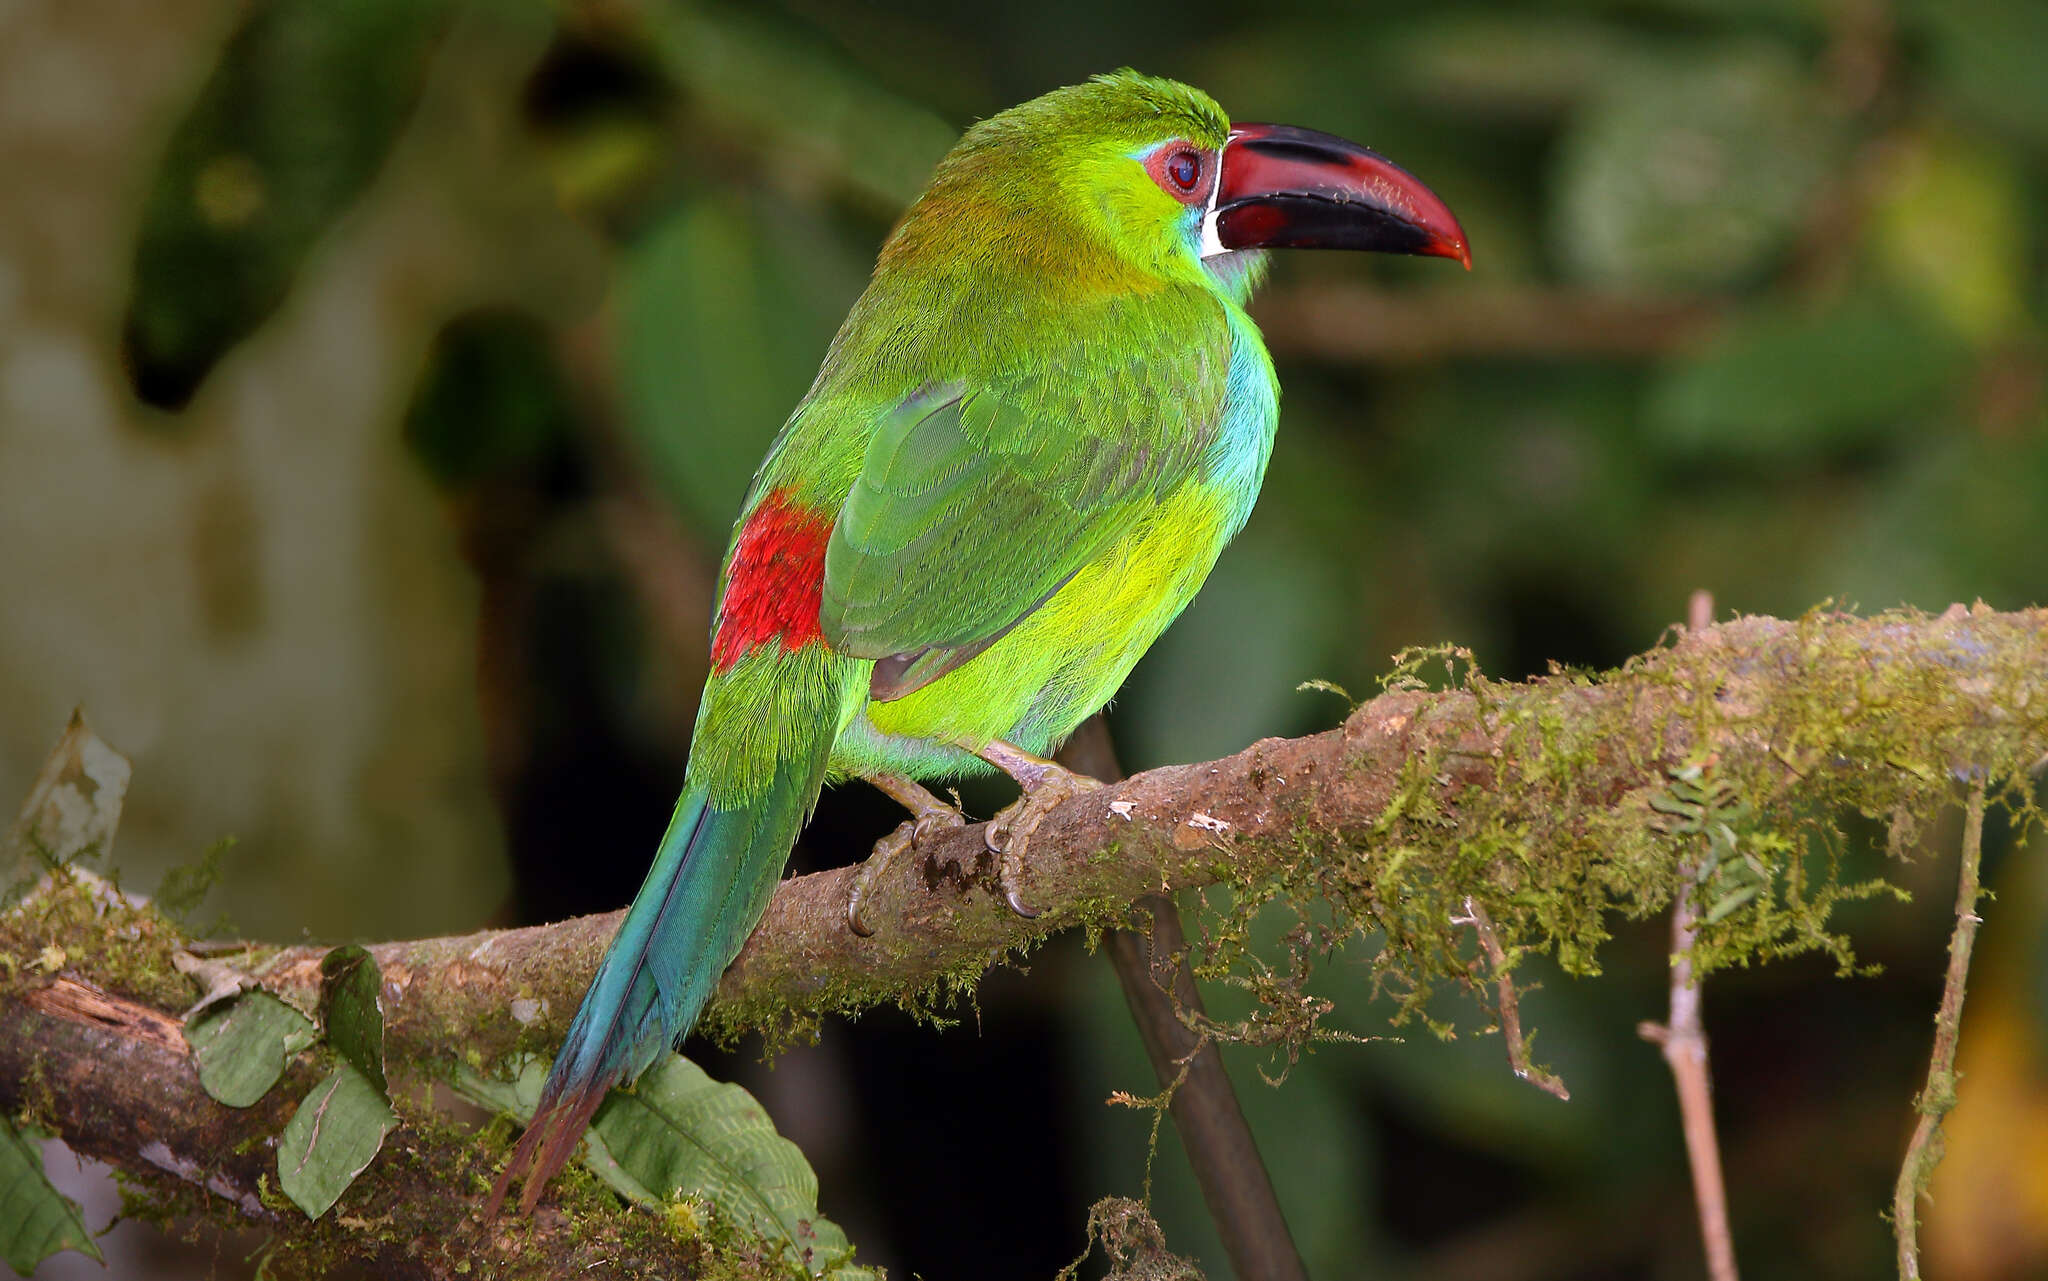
(79, 921)
(1133, 1246)
(1752, 800)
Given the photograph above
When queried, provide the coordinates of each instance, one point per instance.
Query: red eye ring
(1181, 169)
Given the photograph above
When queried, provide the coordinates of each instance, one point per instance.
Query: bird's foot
(929, 817)
(1047, 785)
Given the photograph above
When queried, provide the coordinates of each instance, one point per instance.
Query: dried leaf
(71, 811)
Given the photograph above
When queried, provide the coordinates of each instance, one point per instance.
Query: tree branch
(1843, 709)
(1532, 798)
(1683, 1039)
(1151, 964)
(1922, 1154)
(1346, 324)
(114, 1078)
(1507, 1003)
(1972, 688)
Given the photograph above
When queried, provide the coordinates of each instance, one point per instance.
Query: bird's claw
(905, 838)
(1017, 904)
(1009, 833)
(930, 823)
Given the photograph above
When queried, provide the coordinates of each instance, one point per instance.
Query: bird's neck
(1236, 274)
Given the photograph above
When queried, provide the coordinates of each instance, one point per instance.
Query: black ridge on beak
(1282, 187)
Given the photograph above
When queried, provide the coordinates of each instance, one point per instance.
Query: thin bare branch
(1509, 1004)
(1347, 324)
(1684, 1042)
(1924, 1152)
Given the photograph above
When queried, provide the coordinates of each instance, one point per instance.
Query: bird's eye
(1181, 170)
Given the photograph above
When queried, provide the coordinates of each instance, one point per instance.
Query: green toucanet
(1029, 442)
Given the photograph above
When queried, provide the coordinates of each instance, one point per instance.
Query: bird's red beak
(1288, 188)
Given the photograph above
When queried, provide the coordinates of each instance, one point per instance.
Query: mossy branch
(1535, 798)
(1538, 800)
(113, 1077)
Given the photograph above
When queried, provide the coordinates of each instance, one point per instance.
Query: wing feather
(978, 499)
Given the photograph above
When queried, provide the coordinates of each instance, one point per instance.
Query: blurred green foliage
(292, 125)
(1845, 202)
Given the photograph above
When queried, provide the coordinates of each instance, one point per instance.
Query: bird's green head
(1128, 181)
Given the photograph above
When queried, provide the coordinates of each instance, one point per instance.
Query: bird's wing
(976, 503)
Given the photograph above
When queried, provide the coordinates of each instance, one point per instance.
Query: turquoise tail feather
(711, 880)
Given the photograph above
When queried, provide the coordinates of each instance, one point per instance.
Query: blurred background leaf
(724, 308)
(1690, 169)
(290, 128)
(1800, 385)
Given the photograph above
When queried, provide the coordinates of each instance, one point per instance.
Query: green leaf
(243, 1047)
(800, 98)
(332, 1138)
(186, 886)
(491, 401)
(723, 308)
(36, 1220)
(350, 983)
(295, 120)
(516, 1097)
(677, 1133)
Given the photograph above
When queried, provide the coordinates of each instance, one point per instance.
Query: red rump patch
(776, 580)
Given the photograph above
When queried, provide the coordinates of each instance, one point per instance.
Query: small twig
(1509, 1004)
(1684, 1042)
(217, 979)
(1924, 1152)
(220, 947)
(1159, 1105)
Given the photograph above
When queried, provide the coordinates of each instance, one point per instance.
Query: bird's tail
(711, 880)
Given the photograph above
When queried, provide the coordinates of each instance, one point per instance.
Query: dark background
(378, 382)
